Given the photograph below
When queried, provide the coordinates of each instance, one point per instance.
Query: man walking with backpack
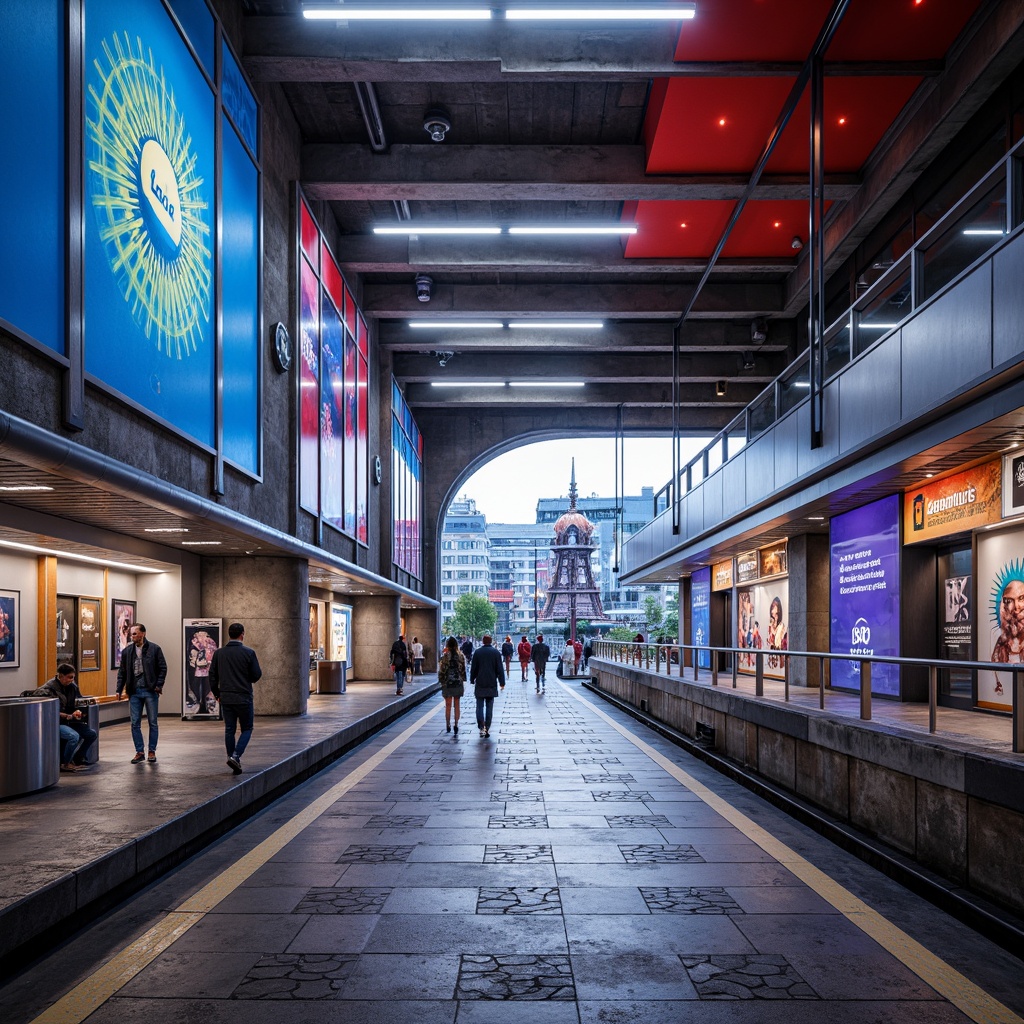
(486, 673)
(540, 654)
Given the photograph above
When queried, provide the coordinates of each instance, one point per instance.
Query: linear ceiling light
(355, 13)
(571, 229)
(984, 231)
(594, 12)
(558, 325)
(440, 229)
(546, 384)
(467, 384)
(25, 487)
(456, 325)
(72, 557)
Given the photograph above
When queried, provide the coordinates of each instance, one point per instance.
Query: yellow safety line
(967, 997)
(87, 996)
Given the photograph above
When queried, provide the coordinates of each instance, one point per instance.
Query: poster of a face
(315, 642)
(10, 653)
(700, 617)
(122, 615)
(865, 593)
(1001, 597)
(89, 634)
(762, 626)
(200, 637)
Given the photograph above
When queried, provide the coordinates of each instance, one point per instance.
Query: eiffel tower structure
(571, 588)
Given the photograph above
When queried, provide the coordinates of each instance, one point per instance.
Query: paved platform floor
(574, 868)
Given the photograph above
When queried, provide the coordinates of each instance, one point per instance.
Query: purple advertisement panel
(351, 421)
(865, 593)
(700, 613)
(332, 415)
(309, 391)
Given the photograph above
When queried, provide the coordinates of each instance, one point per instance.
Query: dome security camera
(424, 284)
(437, 125)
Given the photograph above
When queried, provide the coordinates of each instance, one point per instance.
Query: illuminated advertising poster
(865, 593)
(332, 425)
(341, 632)
(351, 419)
(746, 567)
(309, 390)
(721, 575)
(964, 501)
(1000, 613)
(762, 626)
(772, 560)
(362, 448)
(149, 194)
(700, 614)
(1013, 485)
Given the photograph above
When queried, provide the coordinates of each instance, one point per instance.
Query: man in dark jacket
(399, 663)
(467, 649)
(486, 673)
(141, 675)
(540, 654)
(233, 670)
(76, 738)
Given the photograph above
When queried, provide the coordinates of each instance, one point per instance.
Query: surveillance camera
(443, 357)
(797, 243)
(759, 330)
(437, 125)
(423, 287)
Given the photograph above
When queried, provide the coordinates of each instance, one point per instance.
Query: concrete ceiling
(658, 125)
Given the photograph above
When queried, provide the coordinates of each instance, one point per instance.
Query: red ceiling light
(683, 225)
(721, 122)
(777, 224)
(842, 120)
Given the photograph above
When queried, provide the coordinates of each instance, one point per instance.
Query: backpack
(452, 674)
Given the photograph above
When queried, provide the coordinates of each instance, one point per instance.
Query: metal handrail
(1011, 165)
(641, 654)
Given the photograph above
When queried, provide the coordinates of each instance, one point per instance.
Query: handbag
(408, 675)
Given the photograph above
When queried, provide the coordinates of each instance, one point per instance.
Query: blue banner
(700, 613)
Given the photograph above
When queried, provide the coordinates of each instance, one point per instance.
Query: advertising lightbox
(700, 613)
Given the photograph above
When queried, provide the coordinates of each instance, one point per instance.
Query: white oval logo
(160, 187)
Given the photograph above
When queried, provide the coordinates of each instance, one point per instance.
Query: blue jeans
(136, 702)
(237, 715)
(484, 710)
(69, 740)
(399, 679)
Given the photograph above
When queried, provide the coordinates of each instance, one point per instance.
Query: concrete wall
(954, 810)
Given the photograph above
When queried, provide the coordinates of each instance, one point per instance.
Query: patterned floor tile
(660, 853)
(636, 820)
(515, 977)
(517, 821)
(620, 795)
(296, 976)
(375, 854)
(517, 854)
(343, 900)
(397, 821)
(745, 976)
(519, 900)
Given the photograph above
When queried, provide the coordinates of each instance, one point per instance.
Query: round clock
(377, 469)
(281, 348)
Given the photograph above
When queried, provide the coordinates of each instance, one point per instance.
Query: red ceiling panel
(720, 125)
(766, 228)
(661, 234)
(785, 30)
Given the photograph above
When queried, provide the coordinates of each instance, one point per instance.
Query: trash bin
(29, 744)
(330, 676)
(91, 716)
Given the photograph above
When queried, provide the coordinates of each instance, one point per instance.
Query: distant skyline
(508, 488)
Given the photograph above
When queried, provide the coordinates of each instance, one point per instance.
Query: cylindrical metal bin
(330, 677)
(91, 717)
(29, 744)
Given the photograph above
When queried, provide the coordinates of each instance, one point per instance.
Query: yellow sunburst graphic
(153, 221)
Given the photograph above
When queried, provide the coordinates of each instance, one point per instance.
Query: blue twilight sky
(507, 489)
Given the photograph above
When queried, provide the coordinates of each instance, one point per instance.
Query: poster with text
(958, 621)
(762, 626)
(1001, 614)
(700, 614)
(865, 593)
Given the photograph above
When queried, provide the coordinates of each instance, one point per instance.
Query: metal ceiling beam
(619, 338)
(636, 368)
(526, 173)
(373, 254)
(613, 299)
(290, 49)
(492, 400)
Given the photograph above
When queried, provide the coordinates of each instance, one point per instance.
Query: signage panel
(956, 503)
(761, 625)
(1001, 606)
(1013, 485)
(746, 567)
(772, 560)
(700, 613)
(721, 575)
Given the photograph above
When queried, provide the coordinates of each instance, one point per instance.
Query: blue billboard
(700, 613)
(865, 593)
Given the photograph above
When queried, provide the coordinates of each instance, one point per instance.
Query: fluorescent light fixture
(876, 327)
(353, 13)
(166, 529)
(72, 557)
(558, 325)
(202, 543)
(799, 383)
(661, 12)
(546, 384)
(436, 229)
(984, 231)
(10, 488)
(467, 384)
(816, 519)
(455, 325)
(572, 229)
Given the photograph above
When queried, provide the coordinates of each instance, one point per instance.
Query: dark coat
(400, 656)
(67, 695)
(486, 672)
(540, 654)
(452, 688)
(507, 650)
(233, 670)
(154, 668)
(467, 649)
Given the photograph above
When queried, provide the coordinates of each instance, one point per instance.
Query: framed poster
(341, 629)
(200, 638)
(67, 630)
(90, 633)
(746, 567)
(700, 613)
(761, 625)
(1001, 603)
(122, 615)
(772, 560)
(10, 625)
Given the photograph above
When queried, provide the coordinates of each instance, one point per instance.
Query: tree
(670, 623)
(652, 613)
(623, 633)
(582, 627)
(474, 616)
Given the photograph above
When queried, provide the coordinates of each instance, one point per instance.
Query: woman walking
(507, 650)
(452, 674)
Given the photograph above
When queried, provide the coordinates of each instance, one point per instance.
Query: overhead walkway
(573, 867)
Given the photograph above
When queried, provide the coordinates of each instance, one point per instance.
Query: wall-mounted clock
(281, 347)
(376, 470)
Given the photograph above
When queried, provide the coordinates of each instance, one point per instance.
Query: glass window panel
(794, 389)
(762, 412)
(332, 280)
(309, 389)
(332, 416)
(883, 311)
(238, 100)
(837, 347)
(310, 236)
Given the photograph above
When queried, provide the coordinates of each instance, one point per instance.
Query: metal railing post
(735, 668)
(759, 674)
(785, 679)
(821, 683)
(933, 696)
(1018, 712)
(865, 691)
(696, 661)
(714, 668)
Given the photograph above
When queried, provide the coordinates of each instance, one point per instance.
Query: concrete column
(270, 597)
(809, 569)
(422, 622)
(375, 627)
